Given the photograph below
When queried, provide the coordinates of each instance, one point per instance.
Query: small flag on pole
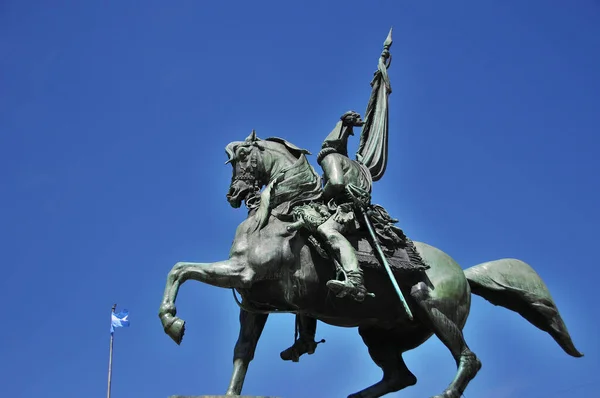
(119, 320)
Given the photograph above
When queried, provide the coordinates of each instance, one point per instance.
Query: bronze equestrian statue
(327, 253)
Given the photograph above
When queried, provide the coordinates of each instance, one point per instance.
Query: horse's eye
(242, 153)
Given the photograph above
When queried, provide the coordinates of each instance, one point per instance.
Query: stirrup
(342, 289)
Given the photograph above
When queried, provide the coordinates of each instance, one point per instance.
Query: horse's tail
(514, 285)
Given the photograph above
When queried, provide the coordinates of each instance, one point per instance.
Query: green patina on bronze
(325, 252)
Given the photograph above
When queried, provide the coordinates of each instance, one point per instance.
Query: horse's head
(248, 169)
(255, 162)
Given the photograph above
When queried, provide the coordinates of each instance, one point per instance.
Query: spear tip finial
(388, 41)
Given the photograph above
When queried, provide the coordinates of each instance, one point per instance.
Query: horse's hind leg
(251, 327)
(452, 337)
(385, 348)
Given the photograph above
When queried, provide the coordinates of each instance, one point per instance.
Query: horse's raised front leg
(251, 327)
(227, 274)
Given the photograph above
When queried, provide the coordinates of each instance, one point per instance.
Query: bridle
(252, 174)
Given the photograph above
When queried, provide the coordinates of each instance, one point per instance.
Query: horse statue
(275, 267)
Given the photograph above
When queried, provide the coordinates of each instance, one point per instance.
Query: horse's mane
(294, 185)
(253, 140)
(292, 149)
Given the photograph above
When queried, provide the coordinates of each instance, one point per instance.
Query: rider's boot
(299, 348)
(352, 286)
(305, 344)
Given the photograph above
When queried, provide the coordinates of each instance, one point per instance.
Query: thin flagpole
(110, 354)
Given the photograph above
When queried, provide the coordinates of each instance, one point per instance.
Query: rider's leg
(346, 255)
(343, 250)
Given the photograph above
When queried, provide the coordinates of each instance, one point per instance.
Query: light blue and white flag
(119, 320)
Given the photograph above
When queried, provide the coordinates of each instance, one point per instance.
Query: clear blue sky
(113, 120)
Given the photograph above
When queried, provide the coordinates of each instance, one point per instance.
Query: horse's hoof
(175, 328)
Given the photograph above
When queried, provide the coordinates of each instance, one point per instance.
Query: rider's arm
(334, 176)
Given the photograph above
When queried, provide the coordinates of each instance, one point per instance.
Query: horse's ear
(291, 147)
(252, 137)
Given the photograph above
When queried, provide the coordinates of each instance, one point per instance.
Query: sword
(356, 196)
(387, 267)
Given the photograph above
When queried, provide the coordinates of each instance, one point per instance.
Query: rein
(254, 310)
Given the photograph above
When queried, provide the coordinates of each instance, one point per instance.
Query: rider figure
(339, 172)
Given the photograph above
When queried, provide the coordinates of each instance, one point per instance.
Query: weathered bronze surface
(325, 252)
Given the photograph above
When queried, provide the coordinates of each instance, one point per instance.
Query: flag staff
(110, 353)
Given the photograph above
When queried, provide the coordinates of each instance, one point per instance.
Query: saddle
(400, 252)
